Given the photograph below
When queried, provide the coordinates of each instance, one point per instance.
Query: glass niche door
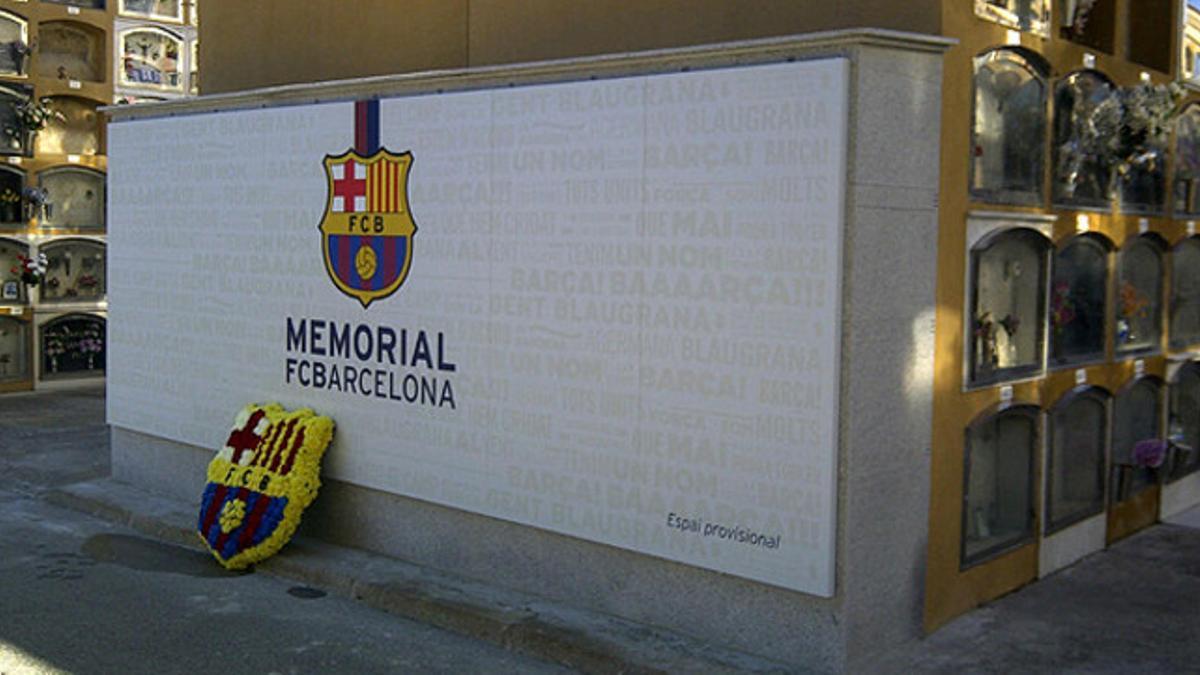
(1077, 459)
(73, 346)
(1007, 306)
(1138, 311)
(14, 351)
(75, 271)
(1184, 424)
(1139, 456)
(998, 507)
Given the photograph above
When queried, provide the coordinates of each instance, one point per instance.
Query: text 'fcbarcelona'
(409, 366)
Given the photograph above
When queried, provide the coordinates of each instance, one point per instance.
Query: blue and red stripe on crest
(366, 127)
(390, 252)
(263, 515)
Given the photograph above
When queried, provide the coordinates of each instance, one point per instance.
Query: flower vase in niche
(1133, 305)
(1062, 313)
(31, 270)
(37, 203)
(1006, 349)
(985, 345)
(10, 206)
(31, 117)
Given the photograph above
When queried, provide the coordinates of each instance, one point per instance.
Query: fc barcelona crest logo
(261, 482)
(367, 232)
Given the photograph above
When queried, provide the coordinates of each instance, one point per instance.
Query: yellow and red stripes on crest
(383, 187)
(277, 449)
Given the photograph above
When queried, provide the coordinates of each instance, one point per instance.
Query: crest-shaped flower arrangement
(261, 482)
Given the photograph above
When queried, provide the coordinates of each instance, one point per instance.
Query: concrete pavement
(85, 595)
(1132, 608)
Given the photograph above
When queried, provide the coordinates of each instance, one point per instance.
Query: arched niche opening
(14, 350)
(171, 10)
(1138, 302)
(1187, 161)
(12, 289)
(68, 50)
(1075, 467)
(151, 58)
(1079, 300)
(76, 198)
(1007, 313)
(1184, 422)
(1083, 166)
(998, 483)
(73, 345)
(1184, 323)
(1008, 134)
(1137, 417)
(75, 271)
(14, 44)
(77, 133)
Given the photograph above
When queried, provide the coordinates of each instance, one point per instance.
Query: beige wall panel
(281, 41)
(502, 31)
(249, 45)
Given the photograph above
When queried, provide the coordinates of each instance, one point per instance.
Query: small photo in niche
(10, 291)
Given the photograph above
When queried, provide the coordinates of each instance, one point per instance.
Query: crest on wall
(367, 230)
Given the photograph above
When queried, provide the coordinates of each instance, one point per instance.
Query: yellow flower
(232, 515)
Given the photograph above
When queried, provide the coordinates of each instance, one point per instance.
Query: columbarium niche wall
(75, 271)
(1082, 167)
(12, 288)
(998, 497)
(1139, 287)
(73, 345)
(14, 350)
(1137, 416)
(85, 4)
(1184, 331)
(1184, 424)
(1026, 15)
(1187, 161)
(76, 198)
(1009, 130)
(1076, 463)
(68, 50)
(1079, 301)
(12, 207)
(14, 44)
(78, 133)
(1007, 305)
(152, 58)
(14, 138)
(170, 10)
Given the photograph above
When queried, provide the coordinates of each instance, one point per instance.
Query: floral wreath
(261, 481)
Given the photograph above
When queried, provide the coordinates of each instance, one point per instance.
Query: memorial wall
(609, 309)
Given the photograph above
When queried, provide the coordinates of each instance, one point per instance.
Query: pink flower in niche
(1150, 453)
